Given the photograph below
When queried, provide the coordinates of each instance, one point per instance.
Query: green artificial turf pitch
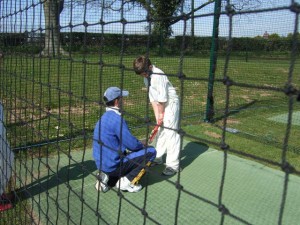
(252, 192)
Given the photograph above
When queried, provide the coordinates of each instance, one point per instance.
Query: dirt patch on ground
(284, 71)
(212, 134)
(233, 121)
(246, 98)
(265, 94)
(70, 110)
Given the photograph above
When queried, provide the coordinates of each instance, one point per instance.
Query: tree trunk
(52, 10)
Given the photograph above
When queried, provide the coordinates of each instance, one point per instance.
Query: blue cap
(112, 93)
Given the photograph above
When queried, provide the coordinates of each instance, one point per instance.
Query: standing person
(111, 142)
(165, 104)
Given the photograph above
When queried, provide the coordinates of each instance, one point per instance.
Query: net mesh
(234, 65)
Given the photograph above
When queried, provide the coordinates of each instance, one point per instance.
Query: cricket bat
(154, 132)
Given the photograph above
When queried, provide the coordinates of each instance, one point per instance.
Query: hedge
(113, 43)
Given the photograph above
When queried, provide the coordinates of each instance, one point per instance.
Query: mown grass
(52, 105)
(49, 100)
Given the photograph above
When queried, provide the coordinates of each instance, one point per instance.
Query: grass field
(53, 105)
(61, 99)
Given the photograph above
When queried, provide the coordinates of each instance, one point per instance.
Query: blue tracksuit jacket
(108, 131)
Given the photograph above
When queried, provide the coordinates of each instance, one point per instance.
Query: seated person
(120, 157)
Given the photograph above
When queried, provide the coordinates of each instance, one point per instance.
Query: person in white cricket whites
(165, 104)
(120, 157)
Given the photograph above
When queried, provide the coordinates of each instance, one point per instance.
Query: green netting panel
(240, 166)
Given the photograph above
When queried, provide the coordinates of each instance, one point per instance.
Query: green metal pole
(213, 63)
(193, 22)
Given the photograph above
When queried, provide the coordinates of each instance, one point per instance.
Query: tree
(52, 11)
(162, 13)
(274, 36)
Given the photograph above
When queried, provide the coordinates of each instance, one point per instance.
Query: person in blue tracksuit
(119, 156)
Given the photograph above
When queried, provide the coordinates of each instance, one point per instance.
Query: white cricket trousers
(168, 140)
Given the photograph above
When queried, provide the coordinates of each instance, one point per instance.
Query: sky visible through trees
(246, 25)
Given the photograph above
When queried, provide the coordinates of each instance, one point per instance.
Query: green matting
(252, 192)
(283, 118)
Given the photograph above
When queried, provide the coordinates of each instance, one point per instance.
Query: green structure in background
(213, 63)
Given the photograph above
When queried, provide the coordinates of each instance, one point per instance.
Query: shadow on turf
(188, 154)
(74, 171)
(235, 111)
(78, 171)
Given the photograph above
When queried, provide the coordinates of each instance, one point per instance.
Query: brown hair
(141, 64)
(110, 103)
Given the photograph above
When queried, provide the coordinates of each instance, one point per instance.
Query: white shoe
(101, 184)
(125, 185)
